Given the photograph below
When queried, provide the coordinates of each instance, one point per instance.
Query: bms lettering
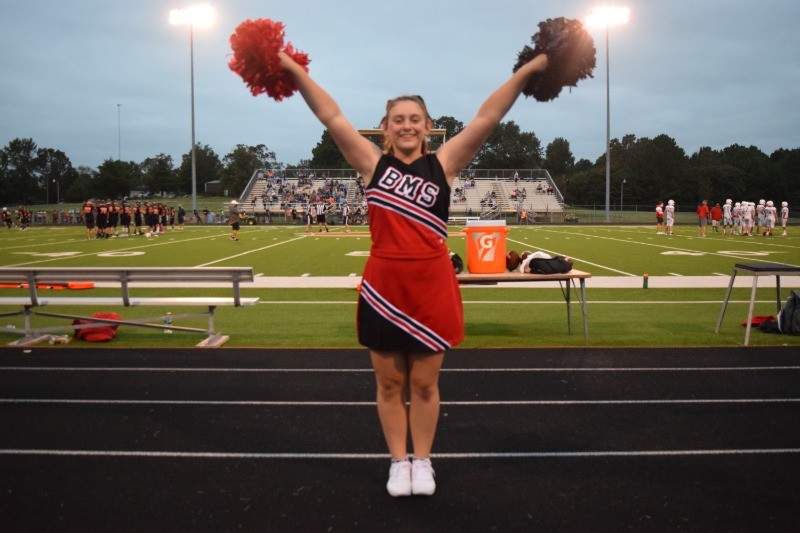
(409, 187)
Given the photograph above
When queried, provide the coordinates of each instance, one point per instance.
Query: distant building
(139, 193)
(213, 188)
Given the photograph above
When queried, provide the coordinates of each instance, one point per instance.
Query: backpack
(789, 317)
(555, 265)
(101, 333)
(458, 263)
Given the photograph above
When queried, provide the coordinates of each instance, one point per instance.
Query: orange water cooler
(486, 246)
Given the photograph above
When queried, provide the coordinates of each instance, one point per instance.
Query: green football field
(684, 313)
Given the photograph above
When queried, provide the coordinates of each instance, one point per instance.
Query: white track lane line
(494, 403)
(361, 370)
(463, 455)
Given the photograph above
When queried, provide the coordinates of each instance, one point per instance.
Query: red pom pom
(255, 45)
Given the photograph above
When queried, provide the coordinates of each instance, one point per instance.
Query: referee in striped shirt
(321, 208)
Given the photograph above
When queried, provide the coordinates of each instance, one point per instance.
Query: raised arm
(458, 151)
(362, 154)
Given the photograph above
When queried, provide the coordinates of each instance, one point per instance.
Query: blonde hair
(387, 143)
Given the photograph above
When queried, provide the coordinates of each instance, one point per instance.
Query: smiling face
(405, 127)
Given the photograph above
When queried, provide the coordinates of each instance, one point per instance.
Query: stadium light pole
(119, 132)
(621, 192)
(606, 16)
(200, 16)
(58, 191)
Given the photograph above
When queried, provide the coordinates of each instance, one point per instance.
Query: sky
(104, 80)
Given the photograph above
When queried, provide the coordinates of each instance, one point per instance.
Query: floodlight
(199, 16)
(608, 16)
(604, 17)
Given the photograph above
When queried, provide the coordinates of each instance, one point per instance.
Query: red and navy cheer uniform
(410, 299)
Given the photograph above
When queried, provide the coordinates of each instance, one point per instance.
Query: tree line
(652, 169)
(33, 175)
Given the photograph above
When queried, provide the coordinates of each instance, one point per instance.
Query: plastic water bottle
(168, 322)
(59, 339)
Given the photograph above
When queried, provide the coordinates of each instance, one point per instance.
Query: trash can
(486, 246)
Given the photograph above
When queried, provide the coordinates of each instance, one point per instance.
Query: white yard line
(150, 244)
(743, 257)
(595, 282)
(577, 259)
(248, 252)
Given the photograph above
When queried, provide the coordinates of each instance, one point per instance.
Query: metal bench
(461, 219)
(32, 279)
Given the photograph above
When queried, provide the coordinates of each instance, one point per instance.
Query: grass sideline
(496, 317)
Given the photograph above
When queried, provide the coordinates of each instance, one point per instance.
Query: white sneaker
(422, 474)
(399, 483)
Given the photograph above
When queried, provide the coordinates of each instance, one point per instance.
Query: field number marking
(45, 254)
(722, 252)
(119, 254)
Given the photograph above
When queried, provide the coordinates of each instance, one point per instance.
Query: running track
(700, 439)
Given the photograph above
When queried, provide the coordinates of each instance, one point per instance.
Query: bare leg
(424, 393)
(419, 373)
(391, 375)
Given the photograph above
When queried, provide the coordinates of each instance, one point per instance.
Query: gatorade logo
(486, 244)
